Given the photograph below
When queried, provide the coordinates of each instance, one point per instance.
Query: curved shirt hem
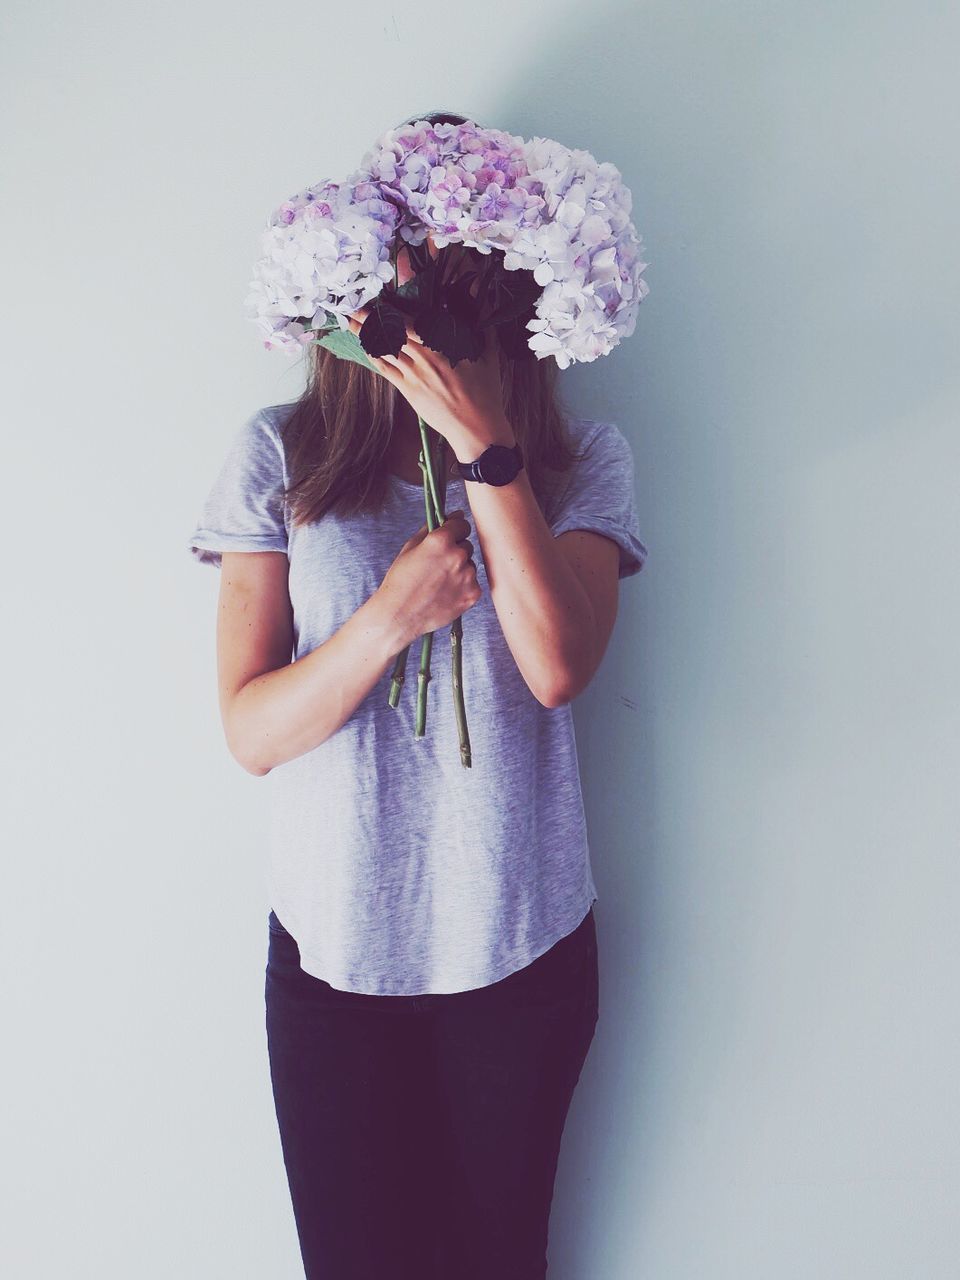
(504, 971)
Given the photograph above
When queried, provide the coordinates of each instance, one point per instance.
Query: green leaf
(345, 344)
(447, 317)
(511, 294)
(419, 257)
(407, 295)
(428, 283)
(448, 335)
(515, 336)
(384, 331)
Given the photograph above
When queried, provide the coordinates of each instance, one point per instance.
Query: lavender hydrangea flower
(325, 251)
(459, 182)
(553, 213)
(585, 251)
(549, 209)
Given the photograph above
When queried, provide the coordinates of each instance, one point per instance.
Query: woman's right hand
(433, 578)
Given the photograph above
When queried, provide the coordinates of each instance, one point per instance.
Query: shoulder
(269, 421)
(258, 443)
(274, 416)
(245, 508)
(599, 491)
(601, 452)
(595, 436)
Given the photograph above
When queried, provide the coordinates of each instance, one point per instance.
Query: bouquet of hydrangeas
(565, 280)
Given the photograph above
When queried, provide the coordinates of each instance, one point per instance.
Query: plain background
(769, 751)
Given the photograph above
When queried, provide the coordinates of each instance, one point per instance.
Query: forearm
(544, 612)
(285, 713)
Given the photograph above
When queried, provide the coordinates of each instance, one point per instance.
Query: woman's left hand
(462, 404)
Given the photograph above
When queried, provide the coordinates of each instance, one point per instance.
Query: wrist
(471, 441)
(384, 627)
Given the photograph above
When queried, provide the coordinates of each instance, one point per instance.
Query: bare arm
(274, 710)
(556, 598)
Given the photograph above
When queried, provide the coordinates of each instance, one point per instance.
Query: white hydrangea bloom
(325, 250)
(551, 210)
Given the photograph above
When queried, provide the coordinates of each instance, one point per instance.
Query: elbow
(561, 691)
(566, 683)
(559, 697)
(258, 770)
(245, 740)
(249, 762)
(247, 754)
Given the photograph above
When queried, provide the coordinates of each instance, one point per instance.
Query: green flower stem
(456, 646)
(437, 495)
(400, 665)
(397, 677)
(434, 516)
(426, 643)
(423, 679)
(433, 499)
(399, 672)
(460, 711)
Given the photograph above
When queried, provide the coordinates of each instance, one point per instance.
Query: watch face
(498, 464)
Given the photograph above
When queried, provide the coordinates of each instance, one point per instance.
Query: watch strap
(471, 470)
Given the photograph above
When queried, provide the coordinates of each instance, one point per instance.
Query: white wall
(767, 752)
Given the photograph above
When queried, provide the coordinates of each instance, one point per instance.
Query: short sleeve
(244, 510)
(599, 495)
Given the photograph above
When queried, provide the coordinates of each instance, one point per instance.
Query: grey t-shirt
(397, 870)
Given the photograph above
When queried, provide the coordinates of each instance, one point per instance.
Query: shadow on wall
(610, 88)
(772, 155)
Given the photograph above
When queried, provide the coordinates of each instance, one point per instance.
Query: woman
(431, 983)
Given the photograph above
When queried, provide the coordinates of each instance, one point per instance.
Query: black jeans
(420, 1134)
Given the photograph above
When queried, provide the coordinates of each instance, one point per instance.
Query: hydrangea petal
(549, 209)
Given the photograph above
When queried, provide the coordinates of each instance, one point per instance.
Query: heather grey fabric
(397, 870)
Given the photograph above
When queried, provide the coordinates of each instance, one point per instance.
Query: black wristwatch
(498, 464)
